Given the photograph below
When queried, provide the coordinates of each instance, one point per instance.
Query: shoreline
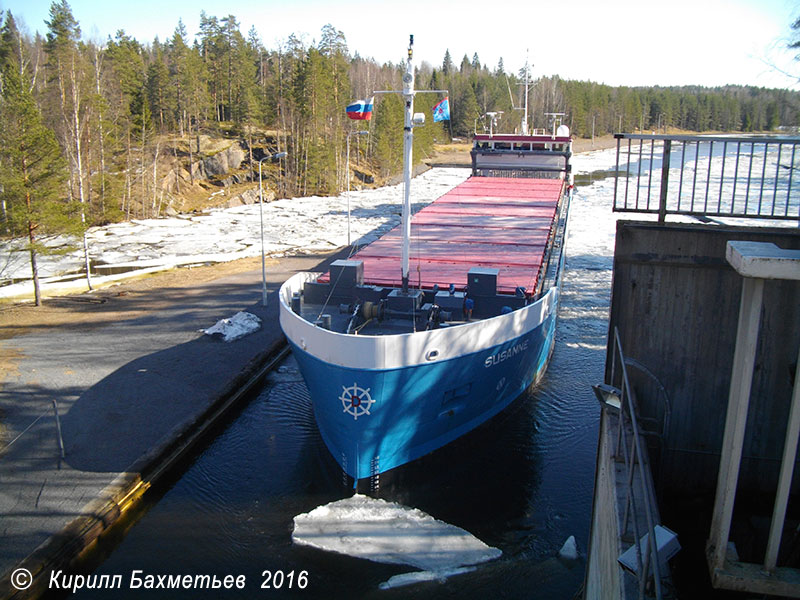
(56, 295)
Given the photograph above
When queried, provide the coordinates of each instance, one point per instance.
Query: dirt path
(127, 300)
(120, 301)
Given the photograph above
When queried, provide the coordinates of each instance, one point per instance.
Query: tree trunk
(143, 200)
(191, 155)
(128, 181)
(250, 150)
(88, 149)
(101, 135)
(76, 135)
(37, 292)
(177, 169)
(155, 178)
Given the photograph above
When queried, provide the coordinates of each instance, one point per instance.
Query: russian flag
(360, 110)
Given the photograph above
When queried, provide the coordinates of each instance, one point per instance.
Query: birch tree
(69, 69)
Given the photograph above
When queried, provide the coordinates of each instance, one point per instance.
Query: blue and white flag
(441, 111)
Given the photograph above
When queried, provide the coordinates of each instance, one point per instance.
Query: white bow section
(409, 349)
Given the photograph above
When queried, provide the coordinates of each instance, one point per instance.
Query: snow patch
(236, 327)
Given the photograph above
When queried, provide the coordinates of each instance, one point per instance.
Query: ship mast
(408, 143)
(525, 118)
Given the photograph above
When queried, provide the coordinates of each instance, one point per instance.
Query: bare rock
(222, 162)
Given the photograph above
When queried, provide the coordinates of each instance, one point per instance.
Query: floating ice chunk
(421, 576)
(387, 532)
(597, 160)
(569, 551)
(238, 326)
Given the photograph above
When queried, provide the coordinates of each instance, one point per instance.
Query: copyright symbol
(21, 579)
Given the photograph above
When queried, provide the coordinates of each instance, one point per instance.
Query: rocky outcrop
(363, 177)
(242, 177)
(224, 162)
(221, 168)
(249, 197)
(218, 175)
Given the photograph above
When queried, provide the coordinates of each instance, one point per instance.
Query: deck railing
(640, 518)
(708, 176)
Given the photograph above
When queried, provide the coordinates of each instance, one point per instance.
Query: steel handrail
(631, 459)
(713, 188)
(34, 422)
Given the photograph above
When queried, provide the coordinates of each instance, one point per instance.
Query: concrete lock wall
(676, 301)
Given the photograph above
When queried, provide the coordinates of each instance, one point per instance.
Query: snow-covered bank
(291, 226)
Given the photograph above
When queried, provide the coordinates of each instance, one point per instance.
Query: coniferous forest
(91, 133)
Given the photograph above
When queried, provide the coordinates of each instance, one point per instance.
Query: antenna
(524, 107)
(555, 119)
(527, 74)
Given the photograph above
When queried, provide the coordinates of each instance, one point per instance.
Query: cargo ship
(401, 363)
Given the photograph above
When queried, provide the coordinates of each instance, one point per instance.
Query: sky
(617, 42)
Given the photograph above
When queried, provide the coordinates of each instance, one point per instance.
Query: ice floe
(388, 532)
(569, 551)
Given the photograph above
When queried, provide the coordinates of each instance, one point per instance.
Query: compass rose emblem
(356, 401)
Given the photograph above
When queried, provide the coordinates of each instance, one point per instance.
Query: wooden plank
(744, 359)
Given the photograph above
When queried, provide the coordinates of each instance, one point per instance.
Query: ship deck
(498, 222)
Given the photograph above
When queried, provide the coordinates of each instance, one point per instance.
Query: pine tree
(464, 110)
(178, 59)
(231, 40)
(212, 52)
(389, 121)
(465, 68)
(63, 30)
(33, 170)
(159, 91)
(476, 63)
(126, 61)
(448, 66)
(314, 93)
(246, 109)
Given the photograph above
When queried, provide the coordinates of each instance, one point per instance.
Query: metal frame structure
(630, 449)
(708, 176)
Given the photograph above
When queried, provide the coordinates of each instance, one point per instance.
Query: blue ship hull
(397, 374)
(374, 420)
